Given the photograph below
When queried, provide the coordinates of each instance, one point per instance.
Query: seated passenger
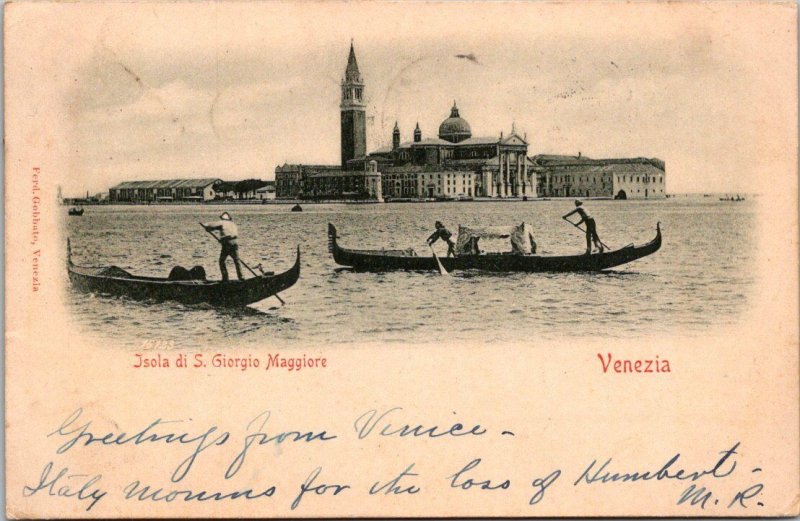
(473, 246)
(522, 241)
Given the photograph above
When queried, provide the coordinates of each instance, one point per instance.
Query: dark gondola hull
(216, 293)
(388, 260)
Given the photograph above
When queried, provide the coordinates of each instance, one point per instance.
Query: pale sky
(231, 90)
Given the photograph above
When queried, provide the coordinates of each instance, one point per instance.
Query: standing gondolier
(591, 227)
(228, 233)
(444, 234)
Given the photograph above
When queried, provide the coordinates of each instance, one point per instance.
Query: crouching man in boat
(228, 232)
(445, 235)
(591, 227)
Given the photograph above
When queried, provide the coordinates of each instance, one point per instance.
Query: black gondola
(297, 208)
(387, 260)
(77, 212)
(235, 293)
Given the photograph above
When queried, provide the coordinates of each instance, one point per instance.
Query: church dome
(455, 128)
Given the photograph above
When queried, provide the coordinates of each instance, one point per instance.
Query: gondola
(118, 282)
(387, 260)
(77, 212)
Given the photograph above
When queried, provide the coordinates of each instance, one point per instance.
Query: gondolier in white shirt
(228, 233)
(591, 227)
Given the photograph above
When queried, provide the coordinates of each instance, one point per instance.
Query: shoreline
(266, 202)
(255, 202)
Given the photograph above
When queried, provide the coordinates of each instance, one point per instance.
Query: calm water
(700, 276)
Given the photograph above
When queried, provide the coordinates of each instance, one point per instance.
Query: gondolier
(591, 227)
(445, 235)
(228, 233)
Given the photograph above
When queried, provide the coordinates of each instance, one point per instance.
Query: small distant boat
(297, 208)
(732, 199)
(76, 211)
(112, 280)
(387, 260)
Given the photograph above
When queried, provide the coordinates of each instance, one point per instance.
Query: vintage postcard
(418, 259)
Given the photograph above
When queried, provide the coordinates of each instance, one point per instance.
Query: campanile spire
(352, 73)
(353, 111)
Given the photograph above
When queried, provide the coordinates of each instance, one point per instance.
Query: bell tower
(353, 112)
(395, 137)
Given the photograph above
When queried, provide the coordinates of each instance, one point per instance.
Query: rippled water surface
(702, 274)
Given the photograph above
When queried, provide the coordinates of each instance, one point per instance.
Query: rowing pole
(442, 271)
(584, 231)
(240, 260)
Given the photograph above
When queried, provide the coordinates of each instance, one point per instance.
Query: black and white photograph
(414, 190)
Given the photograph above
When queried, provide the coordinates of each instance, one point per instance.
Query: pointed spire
(417, 134)
(454, 110)
(513, 127)
(352, 73)
(396, 137)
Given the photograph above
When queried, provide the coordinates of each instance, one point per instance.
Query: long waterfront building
(189, 190)
(579, 176)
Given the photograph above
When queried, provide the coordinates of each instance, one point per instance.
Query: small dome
(455, 128)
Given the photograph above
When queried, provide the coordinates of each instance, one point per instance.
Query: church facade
(454, 164)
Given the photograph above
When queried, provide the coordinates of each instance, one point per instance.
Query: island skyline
(235, 107)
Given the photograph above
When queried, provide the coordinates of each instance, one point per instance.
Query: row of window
(593, 179)
(336, 182)
(644, 179)
(130, 192)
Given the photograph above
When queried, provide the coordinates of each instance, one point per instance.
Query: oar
(584, 231)
(240, 260)
(442, 271)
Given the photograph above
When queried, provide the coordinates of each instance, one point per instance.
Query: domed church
(454, 164)
(455, 128)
